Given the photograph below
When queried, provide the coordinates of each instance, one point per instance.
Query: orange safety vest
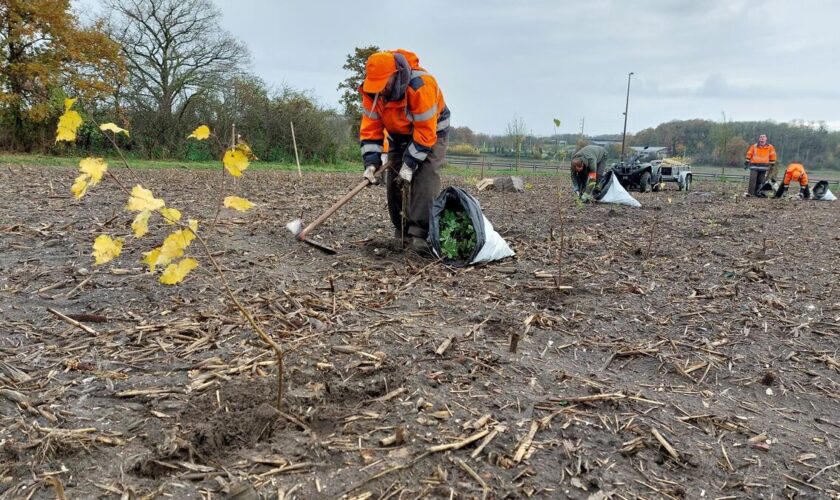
(796, 172)
(761, 155)
(421, 115)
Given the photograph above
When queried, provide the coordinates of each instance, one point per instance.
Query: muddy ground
(691, 353)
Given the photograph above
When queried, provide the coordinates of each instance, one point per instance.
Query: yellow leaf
(140, 226)
(238, 203)
(235, 162)
(142, 199)
(174, 245)
(105, 248)
(94, 167)
(68, 123)
(193, 224)
(201, 133)
(80, 186)
(68, 103)
(151, 258)
(246, 150)
(170, 215)
(113, 128)
(175, 273)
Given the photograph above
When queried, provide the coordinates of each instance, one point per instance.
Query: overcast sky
(541, 59)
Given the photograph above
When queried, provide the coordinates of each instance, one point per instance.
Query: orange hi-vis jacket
(761, 155)
(796, 172)
(417, 118)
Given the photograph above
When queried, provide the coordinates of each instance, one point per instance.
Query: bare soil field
(692, 353)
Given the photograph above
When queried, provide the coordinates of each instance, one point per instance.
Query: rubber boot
(805, 192)
(781, 192)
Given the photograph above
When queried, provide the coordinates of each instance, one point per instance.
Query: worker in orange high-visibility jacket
(795, 172)
(761, 160)
(761, 153)
(402, 100)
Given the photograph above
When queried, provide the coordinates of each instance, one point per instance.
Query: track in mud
(695, 354)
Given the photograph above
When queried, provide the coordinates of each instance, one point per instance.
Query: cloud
(545, 58)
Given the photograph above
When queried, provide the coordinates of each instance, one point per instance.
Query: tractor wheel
(644, 183)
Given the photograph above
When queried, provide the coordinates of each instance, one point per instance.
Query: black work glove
(746, 163)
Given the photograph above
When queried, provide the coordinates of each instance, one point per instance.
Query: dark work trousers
(425, 185)
(758, 172)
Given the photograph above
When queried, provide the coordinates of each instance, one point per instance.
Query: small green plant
(457, 235)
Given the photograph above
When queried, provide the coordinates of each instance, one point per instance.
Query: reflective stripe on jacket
(796, 172)
(761, 155)
(420, 114)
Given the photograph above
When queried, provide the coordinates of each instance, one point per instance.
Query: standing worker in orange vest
(761, 157)
(403, 100)
(795, 172)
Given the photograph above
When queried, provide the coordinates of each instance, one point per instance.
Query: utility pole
(582, 121)
(626, 107)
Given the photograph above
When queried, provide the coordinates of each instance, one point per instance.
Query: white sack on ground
(822, 193)
(613, 192)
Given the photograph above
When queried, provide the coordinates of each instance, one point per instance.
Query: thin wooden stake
(294, 143)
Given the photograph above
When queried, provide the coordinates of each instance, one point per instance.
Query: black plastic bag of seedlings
(460, 233)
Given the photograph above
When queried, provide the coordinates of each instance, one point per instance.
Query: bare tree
(517, 131)
(176, 51)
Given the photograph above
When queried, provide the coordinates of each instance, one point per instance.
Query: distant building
(652, 152)
(604, 142)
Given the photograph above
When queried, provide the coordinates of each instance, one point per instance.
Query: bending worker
(401, 99)
(588, 167)
(761, 157)
(795, 172)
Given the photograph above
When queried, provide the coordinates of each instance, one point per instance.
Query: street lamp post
(626, 106)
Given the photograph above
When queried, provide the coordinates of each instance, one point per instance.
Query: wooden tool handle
(340, 203)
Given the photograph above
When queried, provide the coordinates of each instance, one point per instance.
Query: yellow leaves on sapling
(112, 127)
(170, 215)
(68, 123)
(238, 158)
(235, 162)
(140, 226)
(151, 258)
(106, 249)
(201, 133)
(80, 186)
(94, 167)
(173, 246)
(142, 199)
(237, 203)
(175, 273)
(92, 170)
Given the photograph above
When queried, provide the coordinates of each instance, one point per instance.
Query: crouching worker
(795, 172)
(588, 167)
(401, 99)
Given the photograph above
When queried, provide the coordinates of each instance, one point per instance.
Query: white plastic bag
(822, 193)
(613, 192)
(495, 247)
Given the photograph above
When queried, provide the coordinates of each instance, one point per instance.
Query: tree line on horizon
(703, 141)
(160, 67)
